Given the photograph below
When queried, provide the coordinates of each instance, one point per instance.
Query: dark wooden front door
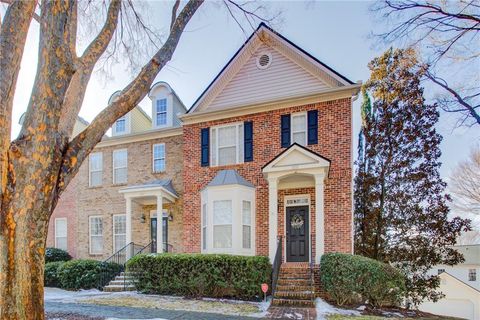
(153, 233)
(297, 234)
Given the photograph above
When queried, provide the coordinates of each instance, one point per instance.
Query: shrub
(201, 275)
(86, 274)
(51, 274)
(55, 254)
(351, 279)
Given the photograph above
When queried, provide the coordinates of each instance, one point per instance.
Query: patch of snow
(362, 308)
(134, 319)
(324, 309)
(391, 314)
(60, 295)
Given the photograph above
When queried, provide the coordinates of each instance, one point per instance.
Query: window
(159, 157)
(299, 128)
(95, 169)
(472, 274)
(120, 166)
(204, 226)
(119, 232)
(61, 233)
(161, 112)
(222, 224)
(226, 144)
(440, 271)
(120, 125)
(96, 234)
(247, 224)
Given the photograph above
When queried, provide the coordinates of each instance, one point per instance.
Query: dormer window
(161, 112)
(120, 126)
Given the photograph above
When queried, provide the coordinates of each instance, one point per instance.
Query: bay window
(222, 224)
(246, 224)
(226, 144)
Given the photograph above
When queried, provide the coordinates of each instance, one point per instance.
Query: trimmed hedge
(83, 274)
(51, 274)
(55, 254)
(352, 279)
(201, 275)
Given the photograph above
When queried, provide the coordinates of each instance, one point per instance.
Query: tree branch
(174, 13)
(131, 95)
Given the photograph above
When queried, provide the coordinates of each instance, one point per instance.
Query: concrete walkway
(131, 312)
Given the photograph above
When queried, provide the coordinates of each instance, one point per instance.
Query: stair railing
(277, 262)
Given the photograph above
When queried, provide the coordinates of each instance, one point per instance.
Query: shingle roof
(227, 177)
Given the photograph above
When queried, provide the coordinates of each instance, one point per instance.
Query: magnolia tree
(37, 166)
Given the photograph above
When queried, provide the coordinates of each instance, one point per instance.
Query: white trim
(113, 231)
(90, 234)
(305, 131)
(257, 60)
(114, 168)
(285, 206)
(164, 157)
(168, 111)
(90, 168)
(146, 135)
(66, 232)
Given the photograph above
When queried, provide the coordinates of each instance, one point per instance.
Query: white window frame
(118, 234)
(238, 145)
(90, 171)
(204, 234)
(66, 233)
(155, 113)
(164, 157)
(299, 114)
(223, 225)
(127, 119)
(114, 167)
(90, 218)
(247, 225)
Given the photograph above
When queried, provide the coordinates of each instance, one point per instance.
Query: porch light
(170, 217)
(143, 219)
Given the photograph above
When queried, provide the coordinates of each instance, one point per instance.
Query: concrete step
(295, 295)
(121, 282)
(118, 288)
(293, 303)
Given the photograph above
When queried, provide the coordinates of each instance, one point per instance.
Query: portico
(297, 168)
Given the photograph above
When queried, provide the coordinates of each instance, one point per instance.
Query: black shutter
(285, 130)
(312, 127)
(205, 144)
(248, 141)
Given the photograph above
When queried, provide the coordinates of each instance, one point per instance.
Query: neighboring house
(461, 286)
(265, 152)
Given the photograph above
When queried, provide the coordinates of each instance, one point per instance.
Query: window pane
(120, 125)
(213, 146)
(95, 161)
(246, 213)
(222, 236)
(247, 237)
(96, 179)
(222, 212)
(96, 237)
(204, 238)
(121, 175)
(159, 165)
(62, 243)
(227, 136)
(159, 157)
(227, 156)
(97, 244)
(120, 158)
(119, 224)
(204, 214)
(120, 242)
(161, 118)
(299, 138)
(161, 112)
(60, 227)
(299, 123)
(161, 105)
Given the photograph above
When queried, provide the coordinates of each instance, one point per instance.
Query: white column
(272, 217)
(159, 223)
(319, 217)
(128, 224)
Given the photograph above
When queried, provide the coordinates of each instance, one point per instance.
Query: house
(264, 154)
(461, 286)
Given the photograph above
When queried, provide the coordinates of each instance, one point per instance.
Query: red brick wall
(66, 208)
(334, 143)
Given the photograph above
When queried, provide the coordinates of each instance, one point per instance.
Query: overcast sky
(337, 33)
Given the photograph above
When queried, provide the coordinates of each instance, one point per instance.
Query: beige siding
(282, 79)
(139, 121)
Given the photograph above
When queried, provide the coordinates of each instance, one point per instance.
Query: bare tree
(465, 184)
(37, 166)
(448, 33)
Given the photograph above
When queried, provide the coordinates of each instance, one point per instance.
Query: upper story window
(472, 274)
(120, 160)
(161, 112)
(95, 169)
(96, 234)
(159, 157)
(61, 233)
(226, 144)
(120, 125)
(299, 128)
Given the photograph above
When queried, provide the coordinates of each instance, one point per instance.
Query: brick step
(118, 288)
(294, 282)
(294, 295)
(121, 282)
(121, 278)
(293, 287)
(293, 303)
(295, 276)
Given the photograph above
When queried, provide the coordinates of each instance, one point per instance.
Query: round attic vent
(264, 60)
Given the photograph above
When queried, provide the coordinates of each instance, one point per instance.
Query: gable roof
(261, 35)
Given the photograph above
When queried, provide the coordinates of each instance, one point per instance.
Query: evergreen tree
(401, 211)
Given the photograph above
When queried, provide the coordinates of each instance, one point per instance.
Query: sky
(337, 32)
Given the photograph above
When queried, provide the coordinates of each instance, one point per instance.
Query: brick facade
(334, 143)
(82, 201)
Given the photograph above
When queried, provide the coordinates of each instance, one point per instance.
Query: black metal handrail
(277, 262)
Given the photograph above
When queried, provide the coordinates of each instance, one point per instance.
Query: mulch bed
(69, 316)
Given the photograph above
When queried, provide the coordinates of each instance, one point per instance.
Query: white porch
(297, 167)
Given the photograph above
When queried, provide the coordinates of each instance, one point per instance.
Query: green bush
(55, 254)
(51, 274)
(201, 275)
(351, 279)
(86, 274)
